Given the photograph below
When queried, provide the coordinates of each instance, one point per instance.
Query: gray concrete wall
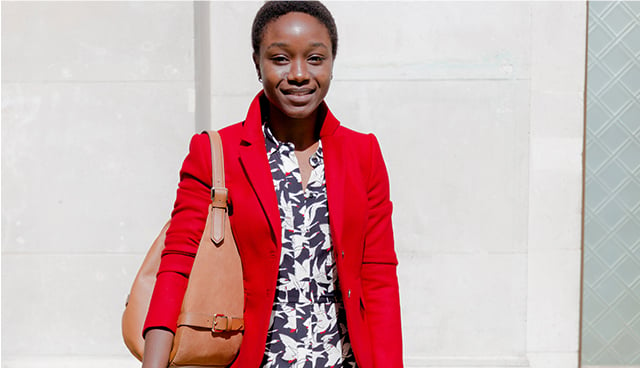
(97, 111)
(478, 108)
(479, 111)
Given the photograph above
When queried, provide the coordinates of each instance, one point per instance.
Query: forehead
(298, 26)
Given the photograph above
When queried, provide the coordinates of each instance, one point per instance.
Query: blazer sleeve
(379, 279)
(188, 220)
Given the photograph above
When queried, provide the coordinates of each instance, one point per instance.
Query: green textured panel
(630, 119)
(611, 313)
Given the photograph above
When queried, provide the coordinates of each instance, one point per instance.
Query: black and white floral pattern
(308, 327)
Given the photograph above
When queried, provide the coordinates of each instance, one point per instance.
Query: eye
(279, 59)
(316, 59)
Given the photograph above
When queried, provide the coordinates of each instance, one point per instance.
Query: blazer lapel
(334, 171)
(256, 167)
(336, 179)
(257, 170)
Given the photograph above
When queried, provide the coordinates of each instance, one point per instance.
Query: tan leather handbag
(210, 324)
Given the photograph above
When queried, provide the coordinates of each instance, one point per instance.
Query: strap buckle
(219, 197)
(227, 326)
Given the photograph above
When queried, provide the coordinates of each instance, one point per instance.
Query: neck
(303, 133)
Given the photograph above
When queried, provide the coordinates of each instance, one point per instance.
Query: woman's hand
(157, 347)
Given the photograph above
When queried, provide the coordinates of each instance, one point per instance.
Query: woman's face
(295, 63)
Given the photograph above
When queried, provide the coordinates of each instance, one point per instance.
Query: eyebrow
(284, 45)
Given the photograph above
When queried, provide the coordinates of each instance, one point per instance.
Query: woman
(310, 213)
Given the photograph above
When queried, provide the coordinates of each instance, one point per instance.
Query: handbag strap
(215, 291)
(219, 193)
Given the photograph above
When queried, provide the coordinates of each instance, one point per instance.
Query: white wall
(479, 110)
(97, 110)
(478, 107)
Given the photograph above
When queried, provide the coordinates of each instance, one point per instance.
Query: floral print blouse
(308, 325)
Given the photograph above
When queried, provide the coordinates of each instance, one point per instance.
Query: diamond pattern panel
(611, 314)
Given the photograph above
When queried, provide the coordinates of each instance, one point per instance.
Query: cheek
(324, 77)
(274, 74)
(324, 71)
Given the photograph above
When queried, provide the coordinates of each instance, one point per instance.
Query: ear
(256, 63)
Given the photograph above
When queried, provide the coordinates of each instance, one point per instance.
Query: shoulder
(199, 157)
(200, 144)
(344, 132)
(232, 132)
(363, 145)
(231, 137)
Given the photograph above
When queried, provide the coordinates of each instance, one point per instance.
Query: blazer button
(343, 254)
(349, 293)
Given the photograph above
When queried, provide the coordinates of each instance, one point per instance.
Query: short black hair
(272, 10)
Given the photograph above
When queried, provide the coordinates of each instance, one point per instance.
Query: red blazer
(361, 233)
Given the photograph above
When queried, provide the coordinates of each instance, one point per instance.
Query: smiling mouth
(298, 91)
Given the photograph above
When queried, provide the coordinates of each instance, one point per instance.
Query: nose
(299, 73)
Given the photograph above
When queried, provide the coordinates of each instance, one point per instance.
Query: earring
(259, 79)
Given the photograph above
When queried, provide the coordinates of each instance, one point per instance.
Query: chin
(298, 112)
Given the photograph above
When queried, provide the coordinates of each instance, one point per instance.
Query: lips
(298, 96)
(298, 91)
